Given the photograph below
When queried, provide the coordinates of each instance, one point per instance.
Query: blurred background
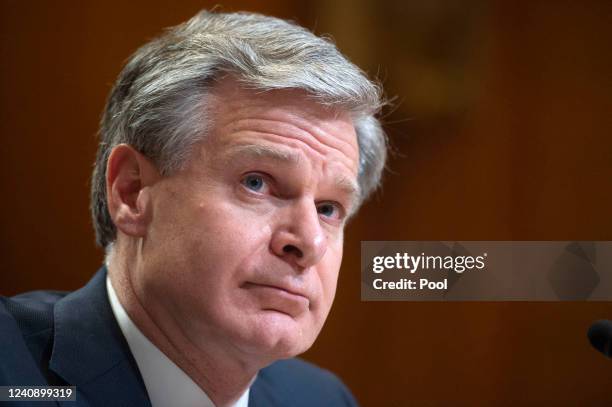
(501, 128)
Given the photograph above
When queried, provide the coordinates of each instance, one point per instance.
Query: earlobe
(129, 176)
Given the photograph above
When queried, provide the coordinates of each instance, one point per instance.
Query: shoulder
(32, 312)
(296, 382)
(26, 323)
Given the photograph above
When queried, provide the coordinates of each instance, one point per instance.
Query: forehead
(285, 117)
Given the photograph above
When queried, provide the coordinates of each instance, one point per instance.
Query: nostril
(292, 249)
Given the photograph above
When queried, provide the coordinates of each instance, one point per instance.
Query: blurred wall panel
(500, 125)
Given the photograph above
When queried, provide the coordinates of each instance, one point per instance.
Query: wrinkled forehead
(293, 112)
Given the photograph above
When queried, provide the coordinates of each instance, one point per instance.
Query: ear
(129, 174)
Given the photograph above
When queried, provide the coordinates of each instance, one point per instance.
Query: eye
(254, 182)
(330, 210)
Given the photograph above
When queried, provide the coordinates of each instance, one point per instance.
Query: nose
(299, 238)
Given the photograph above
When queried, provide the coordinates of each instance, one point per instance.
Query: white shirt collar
(166, 383)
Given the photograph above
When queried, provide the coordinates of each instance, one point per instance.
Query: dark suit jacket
(60, 339)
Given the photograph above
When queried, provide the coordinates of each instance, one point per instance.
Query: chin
(279, 336)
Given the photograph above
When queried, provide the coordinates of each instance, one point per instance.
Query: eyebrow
(343, 183)
(351, 188)
(262, 151)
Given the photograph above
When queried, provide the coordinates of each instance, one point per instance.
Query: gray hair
(158, 102)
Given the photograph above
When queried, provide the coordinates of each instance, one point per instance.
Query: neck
(223, 376)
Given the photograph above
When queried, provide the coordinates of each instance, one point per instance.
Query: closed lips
(279, 298)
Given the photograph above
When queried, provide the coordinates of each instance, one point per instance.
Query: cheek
(203, 256)
(229, 231)
(199, 244)
(328, 275)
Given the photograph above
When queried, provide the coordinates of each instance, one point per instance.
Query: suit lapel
(90, 352)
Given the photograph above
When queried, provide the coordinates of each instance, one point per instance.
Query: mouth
(279, 298)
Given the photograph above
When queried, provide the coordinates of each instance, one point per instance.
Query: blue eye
(253, 182)
(327, 209)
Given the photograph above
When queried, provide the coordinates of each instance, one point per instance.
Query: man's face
(244, 245)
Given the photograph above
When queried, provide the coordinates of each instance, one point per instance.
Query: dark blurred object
(600, 336)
